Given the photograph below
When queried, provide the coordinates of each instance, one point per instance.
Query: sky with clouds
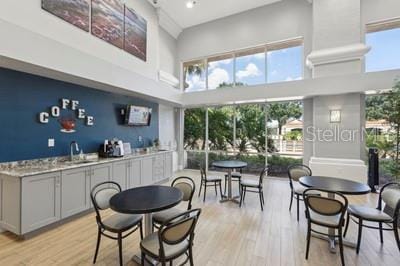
(384, 54)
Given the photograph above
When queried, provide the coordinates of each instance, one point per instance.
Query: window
(194, 75)
(273, 62)
(250, 67)
(220, 72)
(285, 64)
(384, 39)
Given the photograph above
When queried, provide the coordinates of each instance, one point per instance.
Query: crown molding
(337, 54)
(168, 24)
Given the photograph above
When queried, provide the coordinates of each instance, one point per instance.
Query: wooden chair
(116, 224)
(172, 240)
(325, 212)
(254, 186)
(389, 215)
(295, 172)
(209, 181)
(187, 186)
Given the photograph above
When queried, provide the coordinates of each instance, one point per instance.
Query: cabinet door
(146, 173)
(158, 168)
(134, 173)
(40, 204)
(100, 173)
(120, 173)
(75, 186)
(168, 165)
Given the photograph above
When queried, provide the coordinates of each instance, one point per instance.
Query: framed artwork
(135, 41)
(108, 21)
(75, 12)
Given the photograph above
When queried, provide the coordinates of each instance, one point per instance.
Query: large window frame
(265, 48)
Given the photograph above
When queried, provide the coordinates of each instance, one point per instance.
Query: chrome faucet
(71, 148)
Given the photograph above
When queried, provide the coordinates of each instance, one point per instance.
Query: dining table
(230, 165)
(344, 186)
(146, 200)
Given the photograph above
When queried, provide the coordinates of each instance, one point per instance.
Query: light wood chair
(119, 224)
(325, 212)
(172, 240)
(390, 195)
(187, 186)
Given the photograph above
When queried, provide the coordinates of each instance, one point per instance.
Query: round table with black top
(229, 165)
(344, 186)
(146, 200)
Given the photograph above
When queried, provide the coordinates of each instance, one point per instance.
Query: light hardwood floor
(226, 235)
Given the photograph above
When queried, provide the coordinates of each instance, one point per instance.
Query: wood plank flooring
(226, 235)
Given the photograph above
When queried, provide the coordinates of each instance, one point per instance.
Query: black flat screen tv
(138, 116)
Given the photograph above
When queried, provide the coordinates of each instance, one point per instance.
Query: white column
(336, 149)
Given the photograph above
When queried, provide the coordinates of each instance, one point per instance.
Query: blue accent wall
(23, 96)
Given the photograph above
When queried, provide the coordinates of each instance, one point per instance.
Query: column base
(355, 170)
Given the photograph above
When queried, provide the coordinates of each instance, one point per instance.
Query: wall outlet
(122, 111)
(140, 138)
(51, 142)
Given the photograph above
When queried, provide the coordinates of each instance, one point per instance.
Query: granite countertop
(54, 164)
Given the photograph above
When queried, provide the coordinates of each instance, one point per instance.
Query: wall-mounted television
(138, 116)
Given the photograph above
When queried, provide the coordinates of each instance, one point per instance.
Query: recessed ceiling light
(190, 4)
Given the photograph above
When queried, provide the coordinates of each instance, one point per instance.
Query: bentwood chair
(187, 186)
(172, 240)
(390, 195)
(325, 212)
(295, 172)
(255, 186)
(236, 177)
(118, 225)
(209, 181)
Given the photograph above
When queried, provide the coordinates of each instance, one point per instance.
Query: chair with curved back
(209, 181)
(117, 223)
(255, 186)
(187, 186)
(296, 189)
(172, 240)
(325, 212)
(388, 215)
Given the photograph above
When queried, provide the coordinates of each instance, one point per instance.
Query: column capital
(337, 54)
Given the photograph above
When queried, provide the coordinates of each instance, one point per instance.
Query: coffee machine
(111, 148)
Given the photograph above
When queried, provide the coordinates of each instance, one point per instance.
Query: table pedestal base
(138, 260)
(148, 229)
(232, 199)
(332, 242)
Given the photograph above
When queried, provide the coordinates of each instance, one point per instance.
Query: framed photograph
(75, 12)
(108, 21)
(135, 34)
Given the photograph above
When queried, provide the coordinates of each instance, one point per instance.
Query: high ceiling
(206, 10)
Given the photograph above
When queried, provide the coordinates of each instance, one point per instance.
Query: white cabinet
(120, 173)
(40, 204)
(28, 203)
(75, 186)
(100, 173)
(146, 173)
(135, 173)
(168, 172)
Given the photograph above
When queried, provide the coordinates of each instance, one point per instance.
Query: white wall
(276, 22)
(31, 16)
(168, 53)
